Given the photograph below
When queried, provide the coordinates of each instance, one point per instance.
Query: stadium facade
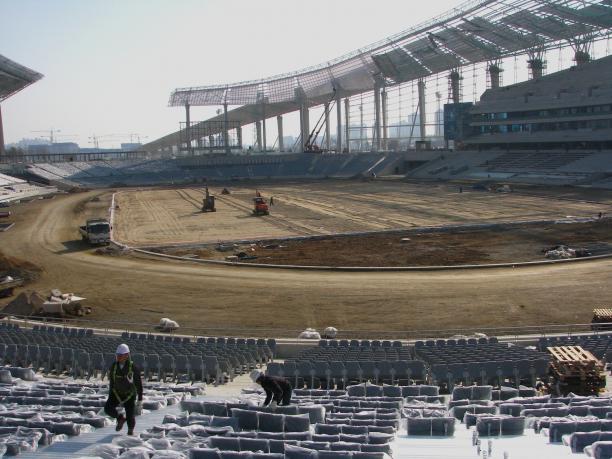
(571, 109)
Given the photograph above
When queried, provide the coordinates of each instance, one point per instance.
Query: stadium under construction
(421, 263)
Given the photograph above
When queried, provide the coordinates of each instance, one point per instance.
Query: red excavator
(261, 206)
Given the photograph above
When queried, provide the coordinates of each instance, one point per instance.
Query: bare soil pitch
(173, 216)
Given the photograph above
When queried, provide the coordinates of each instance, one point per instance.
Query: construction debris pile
(56, 304)
(562, 252)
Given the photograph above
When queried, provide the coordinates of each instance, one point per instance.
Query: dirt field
(508, 244)
(274, 302)
(158, 217)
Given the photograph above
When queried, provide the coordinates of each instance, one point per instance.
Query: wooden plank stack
(577, 370)
(601, 316)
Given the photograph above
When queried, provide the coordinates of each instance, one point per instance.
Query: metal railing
(516, 333)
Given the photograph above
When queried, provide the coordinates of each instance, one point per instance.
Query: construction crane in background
(51, 134)
(115, 137)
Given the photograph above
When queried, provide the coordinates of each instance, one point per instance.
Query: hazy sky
(110, 65)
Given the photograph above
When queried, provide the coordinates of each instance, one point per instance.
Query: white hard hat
(255, 374)
(123, 349)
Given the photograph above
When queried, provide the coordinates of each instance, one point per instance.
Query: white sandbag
(330, 332)
(309, 333)
(166, 324)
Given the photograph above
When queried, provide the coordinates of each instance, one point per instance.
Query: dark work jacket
(120, 384)
(275, 387)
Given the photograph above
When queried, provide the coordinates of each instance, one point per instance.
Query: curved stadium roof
(14, 77)
(476, 31)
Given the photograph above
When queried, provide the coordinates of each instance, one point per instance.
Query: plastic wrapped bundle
(106, 451)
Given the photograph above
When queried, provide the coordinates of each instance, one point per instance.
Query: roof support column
(495, 75)
(327, 129)
(377, 120)
(338, 124)
(239, 136)
(385, 122)
(347, 121)
(455, 80)
(305, 126)
(265, 142)
(258, 134)
(225, 130)
(279, 125)
(536, 65)
(422, 114)
(188, 128)
(2, 149)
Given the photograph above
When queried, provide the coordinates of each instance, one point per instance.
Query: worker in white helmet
(125, 386)
(278, 390)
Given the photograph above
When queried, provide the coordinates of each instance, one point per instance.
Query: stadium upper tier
(14, 77)
(476, 31)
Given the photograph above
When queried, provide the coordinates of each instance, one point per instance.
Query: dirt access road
(266, 302)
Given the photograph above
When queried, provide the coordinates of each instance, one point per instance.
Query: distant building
(53, 148)
(130, 146)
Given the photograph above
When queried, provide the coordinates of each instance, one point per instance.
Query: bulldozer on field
(208, 203)
(260, 205)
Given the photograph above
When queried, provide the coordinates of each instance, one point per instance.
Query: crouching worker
(278, 390)
(125, 386)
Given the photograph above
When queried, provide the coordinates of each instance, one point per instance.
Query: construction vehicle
(208, 203)
(96, 231)
(260, 206)
(8, 285)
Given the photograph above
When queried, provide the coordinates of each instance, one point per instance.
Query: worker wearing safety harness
(125, 386)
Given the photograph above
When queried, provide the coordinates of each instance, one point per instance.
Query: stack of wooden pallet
(602, 319)
(577, 370)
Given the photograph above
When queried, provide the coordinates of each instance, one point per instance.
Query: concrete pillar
(239, 136)
(265, 142)
(536, 65)
(304, 125)
(377, 120)
(338, 125)
(455, 82)
(188, 127)
(582, 57)
(495, 75)
(347, 122)
(2, 149)
(422, 113)
(258, 134)
(279, 125)
(225, 130)
(327, 132)
(385, 122)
